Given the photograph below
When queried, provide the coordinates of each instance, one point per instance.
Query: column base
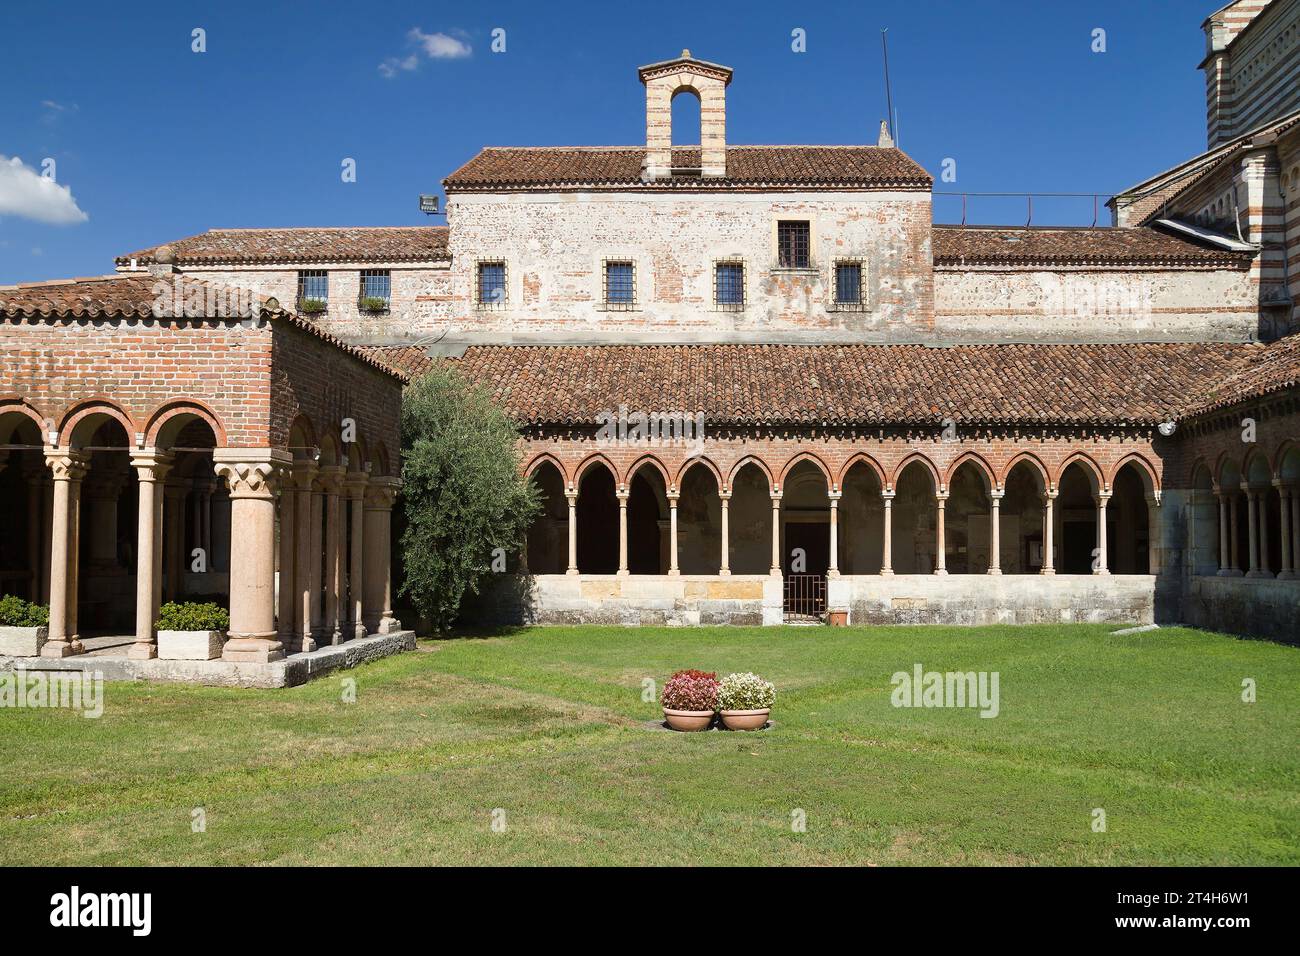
(886, 572)
(833, 573)
(252, 650)
(1047, 571)
(995, 570)
(57, 649)
(140, 651)
(724, 572)
(304, 644)
(359, 632)
(674, 572)
(388, 625)
(1228, 573)
(940, 571)
(622, 572)
(775, 572)
(1258, 574)
(1101, 572)
(572, 572)
(1288, 576)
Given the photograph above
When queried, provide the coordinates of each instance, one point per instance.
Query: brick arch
(1088, 463)
(1150, 478)
(863, 458)
(646, 459)
(702, 461)
(982, 466)
(307, 432)
(173, 416)
(925, 463)
(1285, 448)
(543, 458)
(1029, 458)
(330, 452)
(21, 408)
(803, 456)
(357, 453)
(1253, 455)
(91, 408)
(382, 461)
(757, 463)
(596, 459)
(1221, 463)
(1202, 462)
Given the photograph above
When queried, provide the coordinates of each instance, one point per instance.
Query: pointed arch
(597, 458)
(702, 461)
(861, 457)
(330, 452)
(1089, 466)
(1022, 458)
(541, 458)
(982, 466)
(1149, 476)
(646, 459)
(1256, 460)
(757, 463)
(817, 463)
(926, 464)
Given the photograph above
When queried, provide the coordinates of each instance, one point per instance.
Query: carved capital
(303, 474)
(355, 483)
(381, 493)
(150, 464)
(249, 479)
(330, 478)
(67, 465)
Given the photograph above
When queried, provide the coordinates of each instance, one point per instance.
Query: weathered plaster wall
(1260, 607)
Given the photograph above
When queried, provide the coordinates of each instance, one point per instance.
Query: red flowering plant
(691, 690)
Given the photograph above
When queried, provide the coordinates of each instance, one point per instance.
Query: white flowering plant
(745, 692)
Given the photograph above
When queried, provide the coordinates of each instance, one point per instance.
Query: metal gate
(805, 597)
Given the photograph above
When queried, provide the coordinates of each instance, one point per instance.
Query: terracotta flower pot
(745, 719)
(688, 719)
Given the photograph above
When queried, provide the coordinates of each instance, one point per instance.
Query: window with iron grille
(792, 243)
(491, 288)
(620, 285)
(313, 290)
(848, 284)
(376, 290)
(729, 285)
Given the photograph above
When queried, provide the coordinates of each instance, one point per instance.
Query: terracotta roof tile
(348, 244)
(1138, 384)
(1271, 368)
(1048, 246)
(557, 167)
(146, 295)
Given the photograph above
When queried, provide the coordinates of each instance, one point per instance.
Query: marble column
(1287, 571)
(151, 467)
(1234, 540)
(378, 586)
(776, 533)
(572, 497)
(1049, 544)
(622, 494)
(1252, 532)
(724, 565)
(356, 486)
(331, 482)
(672, 533)
(287, 553)
(833, 569)
(67, 468)
(1225, 562)
(306, 553)
(940, 535)
(315, 573)
(251, 474)
(887, 546)
(995, 532)
(1103, 498)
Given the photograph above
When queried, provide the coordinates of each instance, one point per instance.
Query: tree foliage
(465, 500)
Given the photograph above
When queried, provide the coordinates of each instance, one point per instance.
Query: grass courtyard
(549, 726)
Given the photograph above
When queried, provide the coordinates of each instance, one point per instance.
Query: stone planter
(22, 641)
(838, 617)
(745, 719)
(688, 719)
(189, 645)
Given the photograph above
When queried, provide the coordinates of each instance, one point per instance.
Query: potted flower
(312, 306)
(191, 631)
(690, 697)
(745, 701)
(374, 303)
(24, 627)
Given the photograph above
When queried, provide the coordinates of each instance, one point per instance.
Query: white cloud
(27, 194)
(440, 46)
(434, 46)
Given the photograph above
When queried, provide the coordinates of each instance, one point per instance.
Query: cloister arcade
(112, 515)
(665, 515)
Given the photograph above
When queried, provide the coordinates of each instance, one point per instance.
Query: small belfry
(663, 83)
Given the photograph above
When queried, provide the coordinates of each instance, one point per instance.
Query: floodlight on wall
(428, 204)
(1167, 427)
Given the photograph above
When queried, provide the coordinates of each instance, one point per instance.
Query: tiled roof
(1138, 384)
(1049, 246)
(558, 167)
(1270, 369)
(347, 244)
(145, 295)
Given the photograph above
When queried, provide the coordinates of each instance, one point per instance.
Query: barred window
(491, 283)
(376, 289)
(313, 290)
(792, 243)
(729, 285)
(620, 285)
(848, 283)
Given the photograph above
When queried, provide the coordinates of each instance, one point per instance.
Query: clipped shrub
(193, 616)
(745, 692)
(374, 303)
(15, 612)
(312, 306)
(691, 690)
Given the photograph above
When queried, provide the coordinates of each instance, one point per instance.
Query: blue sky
(157, 142)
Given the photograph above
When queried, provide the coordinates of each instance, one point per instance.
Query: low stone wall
(970, 599)
(634, 599)
(1259, 607)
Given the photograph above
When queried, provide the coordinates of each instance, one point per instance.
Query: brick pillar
(995, 534)
(1049, 545)
(151, 467)
(776, 533)
(833, 571)
(672, 532)
(623, 494)
(1103, 498)
(251, 475)
(68, 468)
(356, 484)
(887, 550)
(724, 566)
(307, 552)
(572, 497)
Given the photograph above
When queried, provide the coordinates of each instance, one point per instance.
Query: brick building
(757, 381)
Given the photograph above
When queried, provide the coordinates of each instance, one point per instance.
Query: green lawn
(549, 725)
